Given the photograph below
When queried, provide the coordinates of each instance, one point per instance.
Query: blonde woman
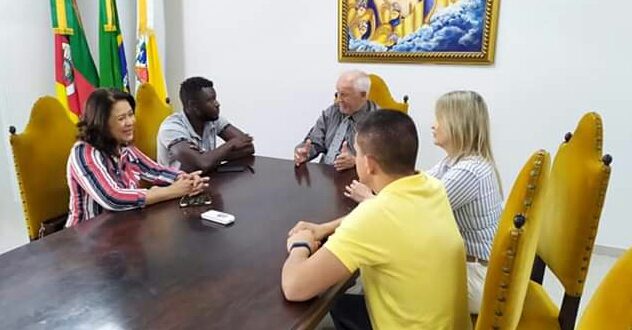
(470, 177)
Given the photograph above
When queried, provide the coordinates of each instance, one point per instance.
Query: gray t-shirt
(177, 128)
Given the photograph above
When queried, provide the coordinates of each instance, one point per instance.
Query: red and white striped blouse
(98, 181)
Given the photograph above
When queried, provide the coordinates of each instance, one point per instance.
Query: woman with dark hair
(104, 168)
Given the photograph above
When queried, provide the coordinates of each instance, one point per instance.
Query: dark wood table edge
(323, 304)
(318, 307)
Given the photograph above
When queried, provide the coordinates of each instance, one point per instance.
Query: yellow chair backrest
(40, 154)
(380, 95)
(150, 112)
(575, 196)
(611, 305)
(514, 247)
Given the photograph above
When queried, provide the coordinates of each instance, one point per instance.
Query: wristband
(301, 244)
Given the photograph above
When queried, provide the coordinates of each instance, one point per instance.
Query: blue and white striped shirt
(474, 194)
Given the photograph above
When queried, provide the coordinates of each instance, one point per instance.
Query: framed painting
(417, 31)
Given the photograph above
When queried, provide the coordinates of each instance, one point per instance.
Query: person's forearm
(209, 160)
(159, 194)
(242, 152)
(216, 156)
(291, 277)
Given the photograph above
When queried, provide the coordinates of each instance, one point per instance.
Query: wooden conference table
(161, 267)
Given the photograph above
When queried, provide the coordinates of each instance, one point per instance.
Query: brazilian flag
(112, 63)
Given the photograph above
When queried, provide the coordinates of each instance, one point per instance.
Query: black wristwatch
(301, 244)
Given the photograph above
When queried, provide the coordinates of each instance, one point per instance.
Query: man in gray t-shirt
(334, 132)
(187, 140)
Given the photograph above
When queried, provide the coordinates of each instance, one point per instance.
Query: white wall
(27, 72)
(271, 69)
(275, 65)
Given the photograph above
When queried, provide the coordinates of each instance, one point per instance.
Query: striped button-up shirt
(98, 181)
(474, 194)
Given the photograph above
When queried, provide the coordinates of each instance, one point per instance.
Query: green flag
(112, 64)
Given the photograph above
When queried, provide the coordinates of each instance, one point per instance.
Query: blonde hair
(464, 116)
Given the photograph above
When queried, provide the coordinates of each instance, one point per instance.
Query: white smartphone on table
(218, 217)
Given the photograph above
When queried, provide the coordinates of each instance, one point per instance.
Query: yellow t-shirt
(411, 256)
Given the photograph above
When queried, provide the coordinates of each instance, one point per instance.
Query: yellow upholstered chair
(514, 247)
(611, 305)
(40, 154)
(380, 95)
(150, 112)
(574, 199)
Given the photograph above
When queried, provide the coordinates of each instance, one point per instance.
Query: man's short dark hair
(389, 136)
(190, 87)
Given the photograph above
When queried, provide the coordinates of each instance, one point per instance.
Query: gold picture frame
(418, 31)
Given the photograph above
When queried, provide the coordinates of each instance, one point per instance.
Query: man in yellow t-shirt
(405, 242)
